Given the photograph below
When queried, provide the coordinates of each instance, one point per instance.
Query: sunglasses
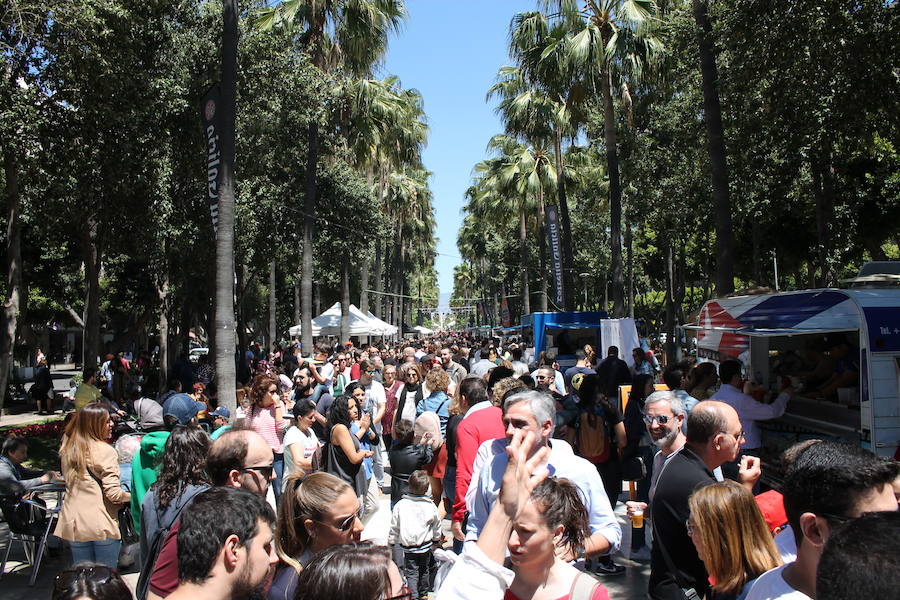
(265, 471)
(663, 419)
(405, 594)
(98, 574)
(347, 523)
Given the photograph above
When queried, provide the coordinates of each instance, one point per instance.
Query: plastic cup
(637, 518)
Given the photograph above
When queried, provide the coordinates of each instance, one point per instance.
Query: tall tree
(712, 115)
(224, 307)
(609, 39)
(341, 35)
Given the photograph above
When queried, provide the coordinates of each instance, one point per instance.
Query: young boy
(405, 458)
(415, 531)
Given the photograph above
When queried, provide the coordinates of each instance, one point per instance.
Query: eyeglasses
(265, 470)
(836, 519)
(662, 419)
(347, 523)
(412, 374)
(371, 371)
(405, 594)
(737, 437)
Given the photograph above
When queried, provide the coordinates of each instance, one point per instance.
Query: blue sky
(450, 51)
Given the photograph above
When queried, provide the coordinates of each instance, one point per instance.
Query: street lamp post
(584, 277)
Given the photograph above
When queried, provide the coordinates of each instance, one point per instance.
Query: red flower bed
(53, 429)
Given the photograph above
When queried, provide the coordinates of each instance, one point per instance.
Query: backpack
(155, 546)
(592, 440)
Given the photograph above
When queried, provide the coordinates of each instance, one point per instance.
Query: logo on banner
(555, 243)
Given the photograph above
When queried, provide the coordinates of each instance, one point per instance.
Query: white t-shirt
(308, 441)
(375, 398)
(771, 586)
(786, 544)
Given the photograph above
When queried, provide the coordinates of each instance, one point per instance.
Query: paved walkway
(22, 410)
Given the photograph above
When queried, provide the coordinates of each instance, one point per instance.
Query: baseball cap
(182, 407)
(221, 412)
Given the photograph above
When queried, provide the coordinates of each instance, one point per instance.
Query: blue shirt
(564, 464)
(438, 403)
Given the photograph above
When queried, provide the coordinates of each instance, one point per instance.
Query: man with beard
(714, 437)
(227, 550)
(304, 389)
(239, 459)
(376, 402)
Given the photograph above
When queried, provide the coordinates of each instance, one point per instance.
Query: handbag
(127, 531)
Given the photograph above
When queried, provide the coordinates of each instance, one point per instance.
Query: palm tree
(542, 99)
(348, 36)
(224, 318)
(608, 38)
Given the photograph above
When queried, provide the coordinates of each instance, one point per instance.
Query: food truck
(564, 333)
(802, 338)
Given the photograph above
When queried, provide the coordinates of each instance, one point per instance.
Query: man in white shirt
(749, 410)
(830, 483)
(376, 400)
(535, 411)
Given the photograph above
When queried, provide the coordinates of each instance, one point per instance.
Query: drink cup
(637, 519)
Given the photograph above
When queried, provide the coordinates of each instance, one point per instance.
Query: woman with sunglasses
(266, 417)
(731, 537)
(408, 396)
(89, 517)
(314, 515)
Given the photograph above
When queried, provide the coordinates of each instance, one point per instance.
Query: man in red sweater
(482, 422)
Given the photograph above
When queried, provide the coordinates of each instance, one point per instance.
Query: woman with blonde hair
(89, 517)
(731, 538)
(316, 513)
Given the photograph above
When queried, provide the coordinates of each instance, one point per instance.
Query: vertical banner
(212, 131)
(555, 243)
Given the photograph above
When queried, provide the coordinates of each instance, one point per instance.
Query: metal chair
(33, 532)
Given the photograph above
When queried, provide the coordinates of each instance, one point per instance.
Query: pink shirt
(262, 421)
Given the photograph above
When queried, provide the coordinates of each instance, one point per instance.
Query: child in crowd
(406, 457)
(415, 531)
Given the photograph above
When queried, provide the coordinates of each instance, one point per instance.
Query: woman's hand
(523, 473)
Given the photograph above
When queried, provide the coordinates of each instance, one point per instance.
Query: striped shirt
(262, 421)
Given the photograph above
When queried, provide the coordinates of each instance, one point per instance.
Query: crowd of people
(523, 461)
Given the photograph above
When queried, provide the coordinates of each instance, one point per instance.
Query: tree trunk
(224, 319)
(364, 286)
(629, 258)
(309, 224)
(273, 334)
(542, 240)
(566, 224)
(755, 233)
(91, 348)
(718, 165)
(241, 276)
(615, 195)
(345, 299)
(296, 301)
(162, 294)
(523, 257)
(13, 293)
(823, 191)
(379, 279)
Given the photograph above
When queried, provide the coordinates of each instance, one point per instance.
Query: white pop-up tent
(386, 328)
(329, 323)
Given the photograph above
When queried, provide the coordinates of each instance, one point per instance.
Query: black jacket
(406, 458)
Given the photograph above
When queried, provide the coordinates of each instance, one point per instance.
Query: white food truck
(789, 337)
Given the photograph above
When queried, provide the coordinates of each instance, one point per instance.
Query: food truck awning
(768, 332)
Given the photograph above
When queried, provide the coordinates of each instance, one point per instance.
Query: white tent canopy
(329, 323)
(386, 328)
(423, 330)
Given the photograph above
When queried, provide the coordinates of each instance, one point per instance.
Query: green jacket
(144, 467)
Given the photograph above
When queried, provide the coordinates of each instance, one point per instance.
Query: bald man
(714, 437)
